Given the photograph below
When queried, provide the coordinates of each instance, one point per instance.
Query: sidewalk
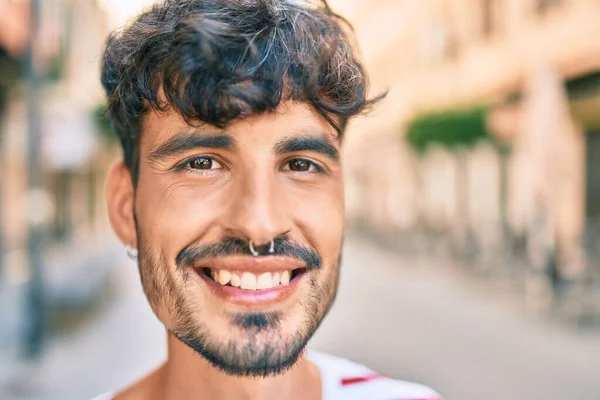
(117, 345)
(75, 278)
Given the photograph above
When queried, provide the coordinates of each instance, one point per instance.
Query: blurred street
(410, 318)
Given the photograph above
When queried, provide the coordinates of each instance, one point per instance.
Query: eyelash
(185, 166)
(319, 169)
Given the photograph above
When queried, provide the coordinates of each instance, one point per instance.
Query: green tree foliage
(450, 129)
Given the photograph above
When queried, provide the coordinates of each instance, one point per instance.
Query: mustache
(232, 246)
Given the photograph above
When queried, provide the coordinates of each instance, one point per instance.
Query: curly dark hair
(215, 61)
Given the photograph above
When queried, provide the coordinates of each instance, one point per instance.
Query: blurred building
(71, 36)
(534, 65)
(74, 156)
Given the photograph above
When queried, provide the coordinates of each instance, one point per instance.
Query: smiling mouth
(250, 281)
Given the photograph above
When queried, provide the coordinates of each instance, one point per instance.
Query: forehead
(288, 120)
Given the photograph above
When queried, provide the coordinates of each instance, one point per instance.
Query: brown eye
(204, 163)
(301, 165)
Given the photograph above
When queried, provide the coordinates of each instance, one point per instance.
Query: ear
(120, 199)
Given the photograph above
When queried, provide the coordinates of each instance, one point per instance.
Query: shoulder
(344, 379)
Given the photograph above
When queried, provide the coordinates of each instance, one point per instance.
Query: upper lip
(253, 264)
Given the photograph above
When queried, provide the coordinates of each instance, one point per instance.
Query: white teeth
(264, 281)
(275, 279)
(248, 281)
(285, 278)
(224, 277)
(236, 281)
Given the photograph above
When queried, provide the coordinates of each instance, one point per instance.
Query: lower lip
(253, 297)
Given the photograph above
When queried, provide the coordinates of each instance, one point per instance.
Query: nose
(258, 210)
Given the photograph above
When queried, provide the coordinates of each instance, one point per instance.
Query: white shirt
(345, 380)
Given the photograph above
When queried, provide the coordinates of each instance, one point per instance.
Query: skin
(263, 186)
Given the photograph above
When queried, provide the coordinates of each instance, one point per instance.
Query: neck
(186, 375)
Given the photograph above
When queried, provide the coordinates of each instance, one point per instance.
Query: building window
(488, 25)
(544, 5)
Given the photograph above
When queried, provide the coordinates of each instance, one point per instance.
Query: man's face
(203, 196)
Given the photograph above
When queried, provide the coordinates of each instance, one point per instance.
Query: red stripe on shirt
(360, 379)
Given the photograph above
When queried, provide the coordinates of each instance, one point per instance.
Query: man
(231, 115)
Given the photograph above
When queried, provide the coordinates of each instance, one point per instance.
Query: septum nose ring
(255, 253)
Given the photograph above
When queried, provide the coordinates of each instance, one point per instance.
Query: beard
(258, 345)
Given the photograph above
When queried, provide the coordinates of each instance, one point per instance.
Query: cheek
(176, 215)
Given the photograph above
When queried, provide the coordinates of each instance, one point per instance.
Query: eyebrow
(186, 141)
(310, 142)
